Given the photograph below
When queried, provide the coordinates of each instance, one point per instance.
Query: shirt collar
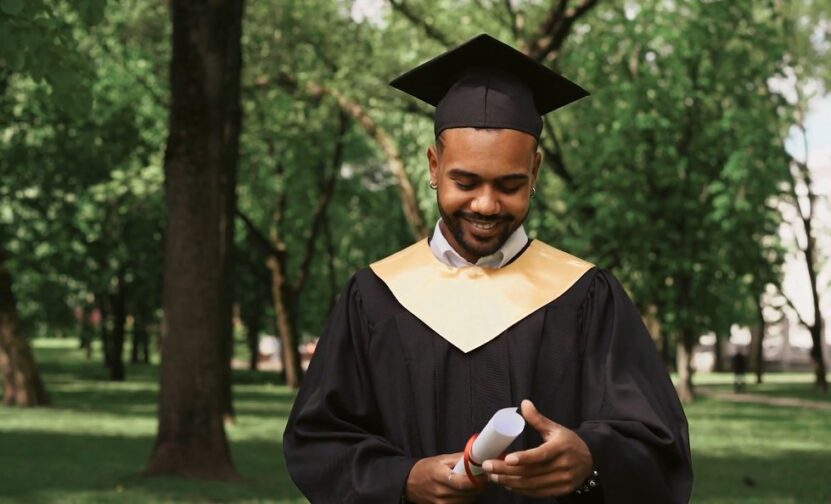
(445, 253)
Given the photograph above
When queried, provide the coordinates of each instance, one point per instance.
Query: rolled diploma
(504, 426)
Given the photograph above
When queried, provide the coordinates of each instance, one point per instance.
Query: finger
(459, 483)
(531, 483)
(536, 419)
(547, 451)
(501, 467)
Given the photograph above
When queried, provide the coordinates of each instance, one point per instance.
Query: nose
(485, 203)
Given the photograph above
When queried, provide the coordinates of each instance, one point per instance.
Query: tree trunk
(22, 385)
(285, 294)
(757, 336)
(139, 348)
(684, 353)
(230, 130)
(87, 330)
(817, 354)
(330, 262)
(807, 215)
(103, 305)
(252, 332)
(718, 351)
(665, 349)
(653, 325)
(285, 325)
(200, 163)
(817, 340)
(115, 355)
(145, 346)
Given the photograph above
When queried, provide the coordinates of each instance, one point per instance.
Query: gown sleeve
(333, 444)
(633, 423)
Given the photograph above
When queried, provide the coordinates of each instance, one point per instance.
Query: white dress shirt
(445, 252)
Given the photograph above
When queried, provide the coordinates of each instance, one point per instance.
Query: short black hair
(440, 142)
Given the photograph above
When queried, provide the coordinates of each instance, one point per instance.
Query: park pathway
(758, 399)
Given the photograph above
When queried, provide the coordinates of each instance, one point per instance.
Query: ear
(535, 167)
(433, 163)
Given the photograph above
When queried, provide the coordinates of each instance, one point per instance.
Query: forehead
(490, 151)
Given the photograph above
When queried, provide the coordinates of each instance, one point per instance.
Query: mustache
(484, 218)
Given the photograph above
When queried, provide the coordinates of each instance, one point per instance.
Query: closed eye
(509, 190)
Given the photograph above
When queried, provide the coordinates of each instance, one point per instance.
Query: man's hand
(432, 480)
(556, 467)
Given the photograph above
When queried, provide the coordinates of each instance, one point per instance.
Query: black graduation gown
(383, 390)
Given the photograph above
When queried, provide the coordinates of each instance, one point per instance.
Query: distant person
(739, 365)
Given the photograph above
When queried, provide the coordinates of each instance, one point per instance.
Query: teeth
(483, 226)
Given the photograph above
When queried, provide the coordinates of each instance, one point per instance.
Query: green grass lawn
(93, 443)
(792, 385)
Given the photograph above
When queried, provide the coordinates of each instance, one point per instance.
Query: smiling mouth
(483, 226)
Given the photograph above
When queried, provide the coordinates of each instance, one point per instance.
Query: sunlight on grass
(92, 444)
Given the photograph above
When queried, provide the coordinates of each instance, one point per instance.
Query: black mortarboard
(485, 83)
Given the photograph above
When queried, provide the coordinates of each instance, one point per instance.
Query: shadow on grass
(70, 364)
(142, 402)
(791, 476)
(81, 385)
(804, 391)
(766, 420)
(40, 466)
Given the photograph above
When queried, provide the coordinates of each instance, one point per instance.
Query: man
(425, 345)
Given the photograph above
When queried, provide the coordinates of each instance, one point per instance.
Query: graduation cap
(485, 83)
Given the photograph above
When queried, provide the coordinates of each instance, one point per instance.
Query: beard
(472, 245)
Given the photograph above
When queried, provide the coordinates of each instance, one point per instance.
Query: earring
(533, 191)
(433, 185)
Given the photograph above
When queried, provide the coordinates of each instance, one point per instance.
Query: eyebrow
(459, 172)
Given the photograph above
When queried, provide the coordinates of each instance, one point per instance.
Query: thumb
(536, 419)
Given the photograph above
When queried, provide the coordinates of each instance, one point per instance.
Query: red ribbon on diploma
(468, 461)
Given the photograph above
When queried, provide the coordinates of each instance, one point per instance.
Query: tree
(22, 385)
(36, 40)
(286, 291)
(686, 159)
(807, 51)
(200, 175)
(805, 201)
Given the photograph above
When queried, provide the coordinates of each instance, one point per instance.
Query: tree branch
(257, 236)
(330, 253)
(409, 203)
(516, 20)
(319, 213)
(554, 30)
(793, 307)
(431, 31)
(554, 157)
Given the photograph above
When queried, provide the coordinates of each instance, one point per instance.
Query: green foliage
(673, 159)
(38, 39)
(685, 156)
(82, 191)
